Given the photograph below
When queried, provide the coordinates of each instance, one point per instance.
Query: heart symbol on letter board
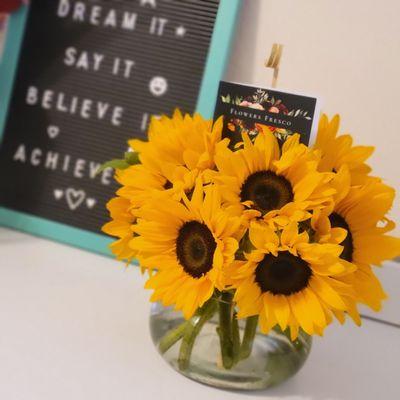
(58, 193)
(74, 198)
(53, 131)
(90, 202)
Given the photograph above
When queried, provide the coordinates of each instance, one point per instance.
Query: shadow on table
(349, 363)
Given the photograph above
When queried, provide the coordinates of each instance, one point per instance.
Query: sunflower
(290, 282)
(120, 226)
(140, 183)
(171, 161)
(191, 243)
(180, 140)
(337, 151)
(361, 210)
(178, 151)
(262, 180)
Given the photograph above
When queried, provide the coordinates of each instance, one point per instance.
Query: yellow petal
(281, 310)
(325, 292)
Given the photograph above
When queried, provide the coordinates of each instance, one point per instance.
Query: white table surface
(74, 325)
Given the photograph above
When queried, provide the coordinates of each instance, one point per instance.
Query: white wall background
(347, 52)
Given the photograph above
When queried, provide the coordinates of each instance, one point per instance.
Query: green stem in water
(235, 339)
(172, 337)
(297, 343)
(225, 329)
(191, 331)
(250, 331)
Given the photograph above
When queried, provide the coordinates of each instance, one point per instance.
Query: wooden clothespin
(273, 62)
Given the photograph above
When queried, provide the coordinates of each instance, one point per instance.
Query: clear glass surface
(273, 358)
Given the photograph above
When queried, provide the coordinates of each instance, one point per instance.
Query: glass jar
(216, 348)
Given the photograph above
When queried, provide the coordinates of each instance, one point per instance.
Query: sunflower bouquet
(281, 237)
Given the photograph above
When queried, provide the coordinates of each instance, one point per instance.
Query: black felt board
(51, 148)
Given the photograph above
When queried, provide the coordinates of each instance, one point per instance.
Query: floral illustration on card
(261, 100)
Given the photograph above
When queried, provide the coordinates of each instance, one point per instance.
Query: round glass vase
(217, 349)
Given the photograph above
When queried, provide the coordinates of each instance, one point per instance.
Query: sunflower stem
(171, 337)
(192, 330)
(225, 329)
(235, 338)
(250, 331)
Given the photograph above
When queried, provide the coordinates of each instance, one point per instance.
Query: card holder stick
(274, 61)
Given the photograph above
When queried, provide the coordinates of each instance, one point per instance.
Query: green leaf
(238, 100)
(115, 164)
(132, 157)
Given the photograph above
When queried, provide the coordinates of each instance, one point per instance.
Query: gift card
(245, 107)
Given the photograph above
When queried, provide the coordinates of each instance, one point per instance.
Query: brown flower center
(337, 221)
(195, 247)
(168, 185)
(285, 274)
(267, 191)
